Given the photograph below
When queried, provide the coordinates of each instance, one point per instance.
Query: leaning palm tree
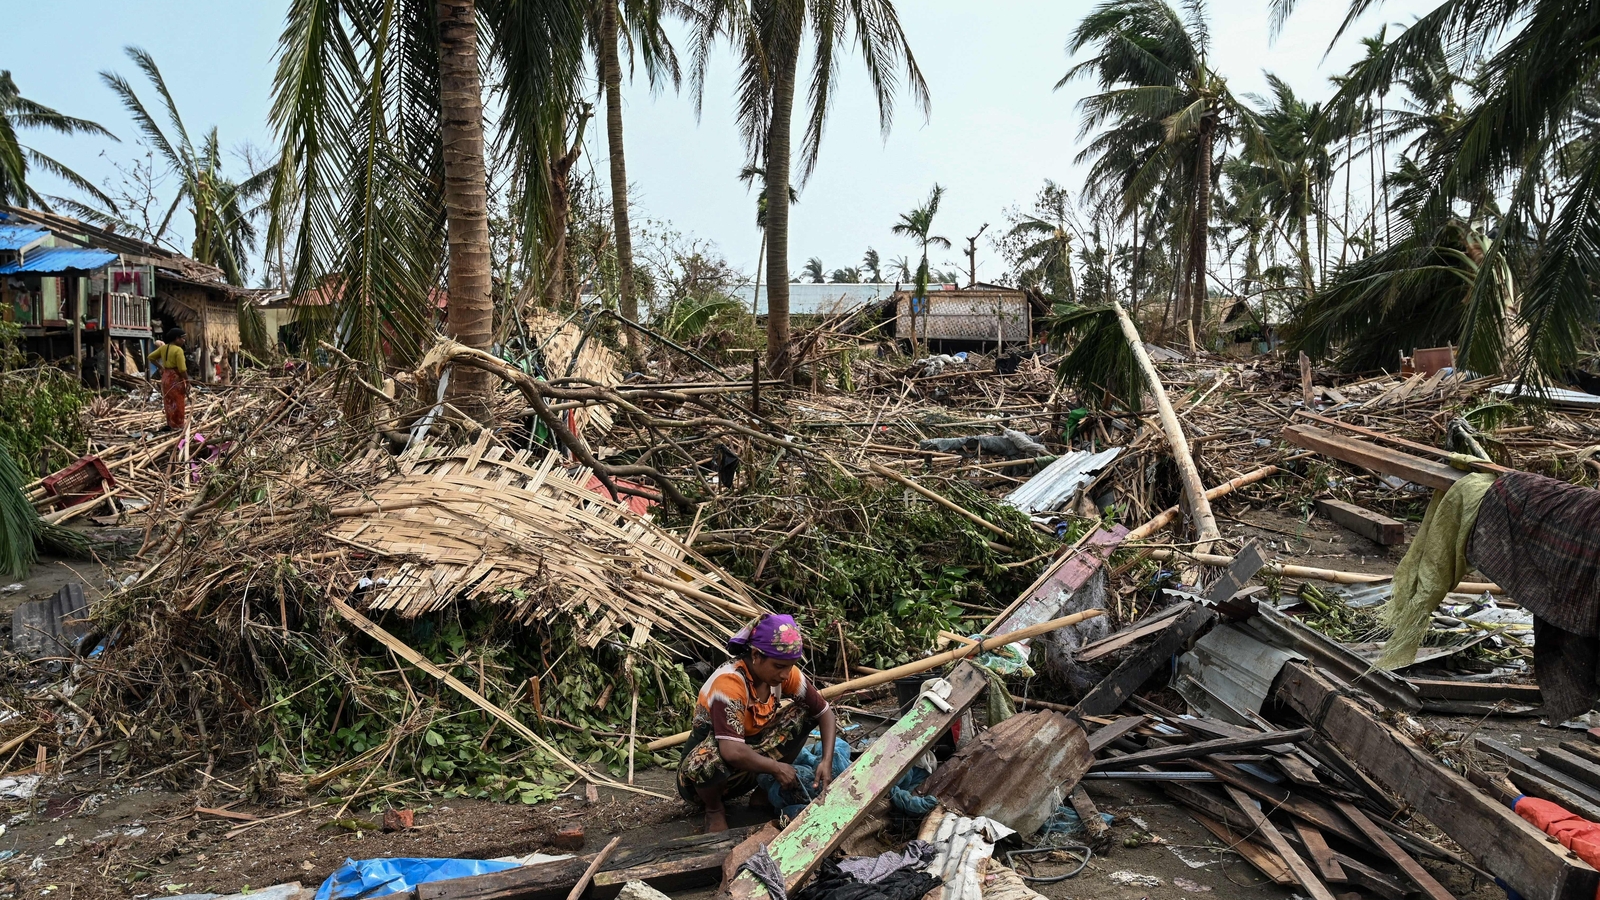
(769, 37)
(640, 23)
(871, 265)
(1166, 112)
(18, 113)
(813, 270)
(918, 225)
(224, 234)
(379, 112)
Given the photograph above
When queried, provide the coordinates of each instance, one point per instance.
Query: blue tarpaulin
(59, 259)
(379, 877)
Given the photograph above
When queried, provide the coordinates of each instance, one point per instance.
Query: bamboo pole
(1227, 487)
(1331, 575)
(922, 665)
(1193, 489)
(945, 502)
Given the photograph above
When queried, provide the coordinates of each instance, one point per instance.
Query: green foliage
(19, 524)
(1100, 365)
(891, 568)
(41, 411)
(335, 700)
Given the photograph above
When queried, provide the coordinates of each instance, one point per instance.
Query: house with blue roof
(95, 300)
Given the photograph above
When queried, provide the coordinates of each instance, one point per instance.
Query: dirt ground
(88, 837)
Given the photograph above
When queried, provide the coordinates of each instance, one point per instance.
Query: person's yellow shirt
(170, 356)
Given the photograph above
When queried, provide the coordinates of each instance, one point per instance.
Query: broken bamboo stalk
(1222, 490)
(1331, 575)
(594, 866)
(892, 475)
(922, 665)
(1193, 489)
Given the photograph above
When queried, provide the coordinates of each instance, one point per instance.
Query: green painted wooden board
(827, 821)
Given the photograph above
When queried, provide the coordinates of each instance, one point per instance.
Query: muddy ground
(89, 836)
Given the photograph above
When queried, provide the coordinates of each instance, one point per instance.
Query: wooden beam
(1368, 455)
(1375, 527)
(1203, 748)
(1246, 563)
(1481, 691)
(1572, 765)
(1105, 734)
(1525, 763)
(1265, 861)
(1112, 643)
(1115, 689)
(1297, 866)
(1317, 848)
(1414, 870)
(826, 821)
(1502, 841)
(1301, 807)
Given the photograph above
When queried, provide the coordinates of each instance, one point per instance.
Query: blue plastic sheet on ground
(1067, 821)
(379, 877)
(912, 804)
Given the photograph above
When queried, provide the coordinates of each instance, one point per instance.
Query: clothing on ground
(703, 765)
(832, 883)
(873, 869)
(1539, 538)
(1433, 565)
(765, 869)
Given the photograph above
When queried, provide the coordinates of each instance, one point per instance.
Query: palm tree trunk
(611, 72)
(470, 312)
(557, 282)
(785, 64)
(1197, 300)
(1306, 279)
(1133, 267)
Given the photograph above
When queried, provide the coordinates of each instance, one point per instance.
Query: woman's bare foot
(716, 821)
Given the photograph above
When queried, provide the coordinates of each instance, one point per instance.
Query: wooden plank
(1112, 643)
(594, 866)
(1105, 734)
(1523, 762)
(1265, 861)
(1298, 770)
(1297, 867)
(674, 864)
(1534, 786)
(1065, 577)
(1582, 751)
(1204, 748)
(1303, 808)
(1246, 563)
(1367, 455)
(1321, 854)
(1413, 870)
(1498, 838)
(1483, 691)
(1584, 770)
(1216, 728)
(1094, 826)
(1115, 689)
(1375, 527)
(825, 822)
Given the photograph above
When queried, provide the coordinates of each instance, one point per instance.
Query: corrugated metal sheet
(16, 237)
(819, 299)
(59, 259)
(1060, 480)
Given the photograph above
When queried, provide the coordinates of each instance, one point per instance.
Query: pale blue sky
(997, 129)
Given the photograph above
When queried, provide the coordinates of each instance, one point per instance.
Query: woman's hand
(787, 778)
(824, 774)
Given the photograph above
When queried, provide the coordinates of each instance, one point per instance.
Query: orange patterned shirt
(728, 703)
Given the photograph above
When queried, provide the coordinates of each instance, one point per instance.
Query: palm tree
(918, 225)
(900, 267)
(845, 276)
(642, 20)
(1287, 169)
(749, 175)
(1046, 252)
(871, 265)
(379, 113)
(18, 113)
(1530, 120)
(1167, 112)
(814, 271)
(768, 36)
(224, 234)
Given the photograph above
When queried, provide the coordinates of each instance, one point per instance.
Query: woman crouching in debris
(744, 729)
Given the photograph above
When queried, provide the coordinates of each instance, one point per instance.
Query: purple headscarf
(774, 636)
